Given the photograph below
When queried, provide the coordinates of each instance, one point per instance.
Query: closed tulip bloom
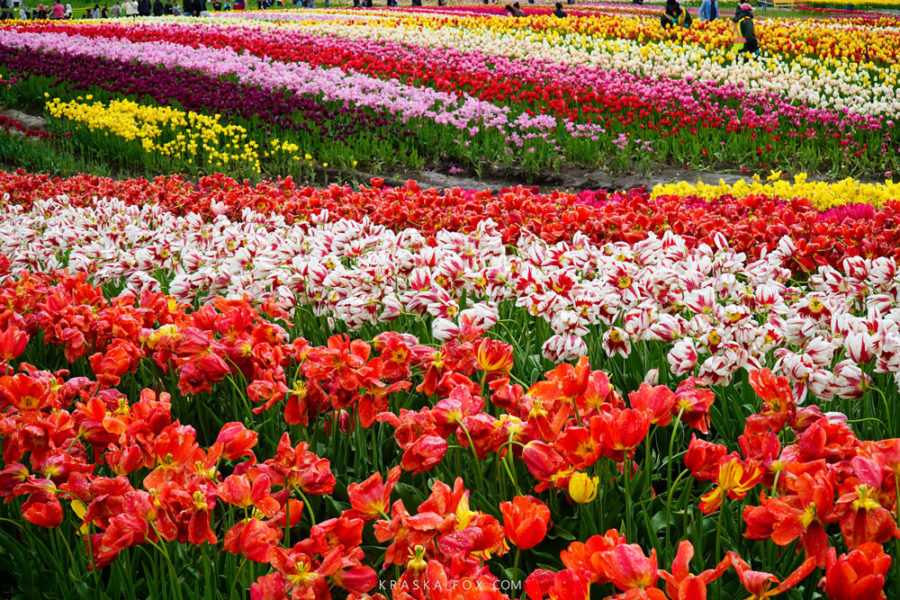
(583, 488)
(857, 575)
(525, 521)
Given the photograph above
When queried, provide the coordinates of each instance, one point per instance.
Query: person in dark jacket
(145, 9)
(744, 33)
(675, 16)
(158, 8)
(559, 12)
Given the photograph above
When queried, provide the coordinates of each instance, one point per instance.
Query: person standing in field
(115, 11)
(58, 11)
(709, 10)
(675, 16)
(559, 13)
(744, 33)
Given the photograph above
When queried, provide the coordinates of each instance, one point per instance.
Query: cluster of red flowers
(226, 337)
(11, 126)
(59, 432)
(754, 224)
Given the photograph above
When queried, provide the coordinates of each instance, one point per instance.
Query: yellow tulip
(583, 488)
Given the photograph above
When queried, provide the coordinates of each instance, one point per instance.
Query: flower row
(824, 195)
(706, 309)
(753, 223)
(157, 485)
(470, 91)
(163, 130)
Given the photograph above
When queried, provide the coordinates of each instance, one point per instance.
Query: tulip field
(278, 93)
(227, 373)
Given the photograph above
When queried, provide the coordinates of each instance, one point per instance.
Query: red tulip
(857, 575)
(12, 343)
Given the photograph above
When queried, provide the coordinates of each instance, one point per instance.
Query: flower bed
(215, 384)
(468, 89)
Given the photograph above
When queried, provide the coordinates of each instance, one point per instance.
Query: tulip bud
(583, 488)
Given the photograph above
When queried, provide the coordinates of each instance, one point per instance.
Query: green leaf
(559, 533)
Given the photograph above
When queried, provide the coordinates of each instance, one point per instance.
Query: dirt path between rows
(576, 179)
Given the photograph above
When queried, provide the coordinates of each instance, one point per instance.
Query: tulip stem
(718, 553)
(626, 472)
(476, 465)
(669, 506)
(887, 410)
(577, 413)
(671, 448)
(509, 472)
(90, 545)
(237, 577)
(669, 484)
(516, 562)
(161, 547)
(648, 489)
(312, 516)
(287, 522)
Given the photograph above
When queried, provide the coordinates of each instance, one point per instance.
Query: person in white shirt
(131, 8)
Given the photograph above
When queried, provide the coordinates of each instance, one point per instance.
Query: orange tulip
(525, 521)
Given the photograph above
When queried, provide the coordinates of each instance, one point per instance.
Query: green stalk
(669, 507)
(161, 546)
(719, 522)
(672, 447)
(476, 464)
(626, 472)
(237, 578)
(312, 516)
(647, 484)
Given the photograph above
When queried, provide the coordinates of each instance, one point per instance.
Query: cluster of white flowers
(712, 310)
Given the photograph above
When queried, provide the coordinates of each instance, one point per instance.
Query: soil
(571, 178)
(576, 179)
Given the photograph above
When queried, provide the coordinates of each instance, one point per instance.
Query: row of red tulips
(754, 224)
